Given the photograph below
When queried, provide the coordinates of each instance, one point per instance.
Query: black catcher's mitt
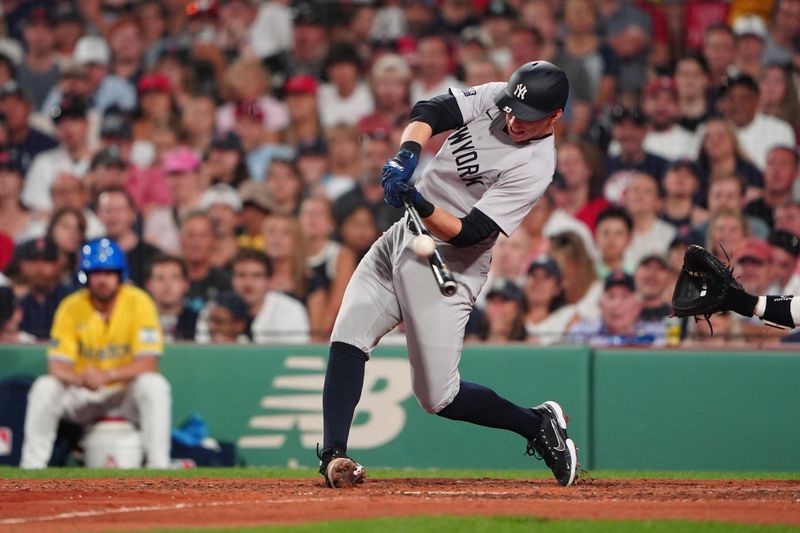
(706, 286)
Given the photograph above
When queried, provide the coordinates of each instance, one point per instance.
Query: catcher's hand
(706, 286)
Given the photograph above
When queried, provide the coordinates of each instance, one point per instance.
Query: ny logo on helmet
(520, 91)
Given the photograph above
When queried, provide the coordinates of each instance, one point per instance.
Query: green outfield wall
(628, 409)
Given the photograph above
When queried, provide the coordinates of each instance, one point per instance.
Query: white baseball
(423, 245)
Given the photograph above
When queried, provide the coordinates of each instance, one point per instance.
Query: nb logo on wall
(520, 91)
(296, 405)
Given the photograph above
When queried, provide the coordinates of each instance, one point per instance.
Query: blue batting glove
(400, 168)
(395, 191)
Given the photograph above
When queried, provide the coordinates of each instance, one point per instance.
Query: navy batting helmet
(534, 91)
(102, 254)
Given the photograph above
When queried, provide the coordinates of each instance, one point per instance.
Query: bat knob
(449, 288)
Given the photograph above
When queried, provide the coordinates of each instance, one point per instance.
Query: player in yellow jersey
(102, 361)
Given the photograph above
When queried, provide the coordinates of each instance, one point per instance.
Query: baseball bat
(441, 272)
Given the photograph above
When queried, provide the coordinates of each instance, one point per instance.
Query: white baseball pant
(146, 401)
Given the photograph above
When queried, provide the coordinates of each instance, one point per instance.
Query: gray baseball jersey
(478, 166)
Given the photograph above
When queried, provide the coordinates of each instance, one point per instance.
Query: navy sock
(344, 379)
(480, 405)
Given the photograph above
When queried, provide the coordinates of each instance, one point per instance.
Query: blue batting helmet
(103, 254)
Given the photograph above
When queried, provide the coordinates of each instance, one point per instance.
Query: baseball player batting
(498, 161)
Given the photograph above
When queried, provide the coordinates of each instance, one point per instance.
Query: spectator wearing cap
(652, 279)
(434, 78)
(455, 15)
(757, 133)
(692, 84)
(331, 262)
(167, 284)
(613, 235)
(117, 212)
(620, 322)
(38, 71)
(643, 199)
(578, 183)
(227, 319)
(785, 253)
(681, 187)
(300, 93)
(72, 154)
(721, 155)
(15, 218)
(156, 104)
(256, 207)
(503, 318)
(92, 59)
(257, 142)
(752, 262)
(197, 245)
(312, 164)
(271, 31)
(346, 98)
(246, 80)
(390, 79)
(784, 32)
(665, 137)
(629, 130)
(629, 31)
(108, 169)
(751, 33)
(779, 178)
(224, 207)
(493, 35)
(25, 141)
(310, 42)
(719, 50)
(376, 148)
(74, 81)
(224, 161)
(548, 315)
(581, 42)
(69, 27)
(180, 166)
(40, 268)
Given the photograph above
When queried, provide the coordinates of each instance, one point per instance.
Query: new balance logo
(520, 91)
(295, 405)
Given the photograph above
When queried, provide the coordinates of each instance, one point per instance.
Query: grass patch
(501, 524)
(277, 472)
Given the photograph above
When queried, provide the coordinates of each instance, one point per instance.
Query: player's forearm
(781, 311)
(127, 372)
(418, 132)
(443, 225)
(64, 372)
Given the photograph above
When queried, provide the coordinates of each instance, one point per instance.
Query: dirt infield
(55, 505)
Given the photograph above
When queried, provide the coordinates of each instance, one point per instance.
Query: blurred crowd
(233, 149)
